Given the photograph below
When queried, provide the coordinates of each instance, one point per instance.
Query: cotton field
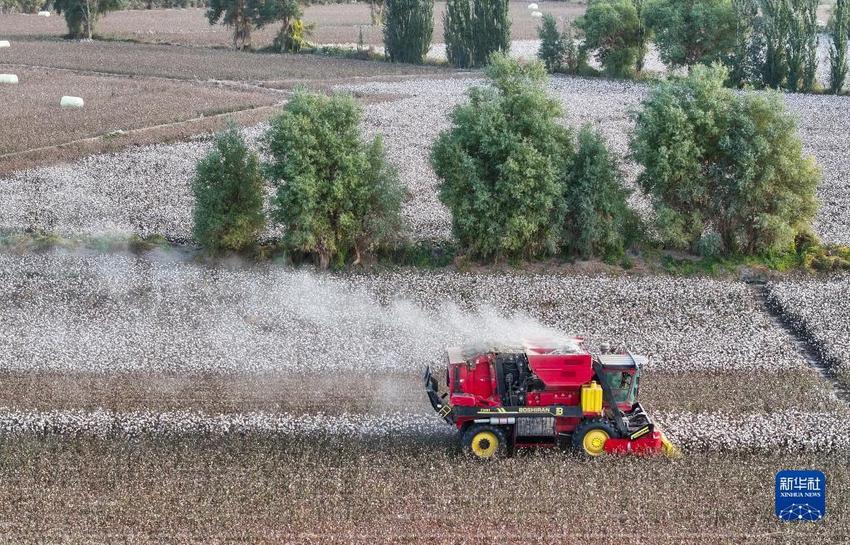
(819, 309)
(109, 313)
(153, 393)
(146, 191)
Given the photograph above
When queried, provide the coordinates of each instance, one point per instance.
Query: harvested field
(32, 117)
(260, 490)
(819, 310)
(373, 392)
(195, 63)
(409, 126)
(335, 23)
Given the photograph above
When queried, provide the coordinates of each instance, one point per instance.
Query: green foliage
(689, 32)
(474, 30)
(840, 32)
(293, 36)
(408, 29)
(501, 165)
(789, 29)
(22, 6)
(616, 31)
(228, 189)
(81, 15)
(744, 62)
(246, 15)
(802, 45)
(775, 26)
(598, 221)
(720, 162)
(552, 47)
(558, 49)
(337, 196)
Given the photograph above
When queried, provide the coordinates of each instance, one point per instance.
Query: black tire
(477, 442)
(593, 425)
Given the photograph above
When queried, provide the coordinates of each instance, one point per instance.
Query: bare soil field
(334, 23)
(200, 63)
(32, 117)
(252, 489)
(170, 92)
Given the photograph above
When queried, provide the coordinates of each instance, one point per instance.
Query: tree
(376, 12)
(689, 32)
(246, 15)
(408, 29)
(229, 193)
(81, 15)
(293, 33)
(337, 196)
(802, 44)
(558, 49)
(598, 221)
(552, 46)
(474, 29)
(615, 30)
(744, 61)
(775, 24)
(722, 164)
(840, 32)
(501, 165)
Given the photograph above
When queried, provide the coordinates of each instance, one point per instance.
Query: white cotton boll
(537, 15)
(11, 79)
(533, 6)
(44, 14)
(71, 102)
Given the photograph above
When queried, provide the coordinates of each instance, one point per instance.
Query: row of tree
(765, 43)
(473, 30)
(724, 172)
(336, 196)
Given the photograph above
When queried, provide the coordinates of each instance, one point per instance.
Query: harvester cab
(545, 394)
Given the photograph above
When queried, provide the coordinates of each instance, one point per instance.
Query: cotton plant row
(104, 423)
(819, 310)
(109, 313)
(787, 430)
(146, 190)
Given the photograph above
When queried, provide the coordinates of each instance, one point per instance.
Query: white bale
(537, 14)
(71, 102)
(4, 43)
(8, 78)
(44, 14)
(533, 6)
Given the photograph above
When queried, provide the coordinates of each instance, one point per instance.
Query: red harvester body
(546, 394)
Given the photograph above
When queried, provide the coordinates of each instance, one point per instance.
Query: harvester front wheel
(590, 436)
(485, 442)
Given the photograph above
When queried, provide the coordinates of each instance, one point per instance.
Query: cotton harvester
(546, 394)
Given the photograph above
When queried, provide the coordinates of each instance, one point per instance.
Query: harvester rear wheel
(590, 436)
(485, 442)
